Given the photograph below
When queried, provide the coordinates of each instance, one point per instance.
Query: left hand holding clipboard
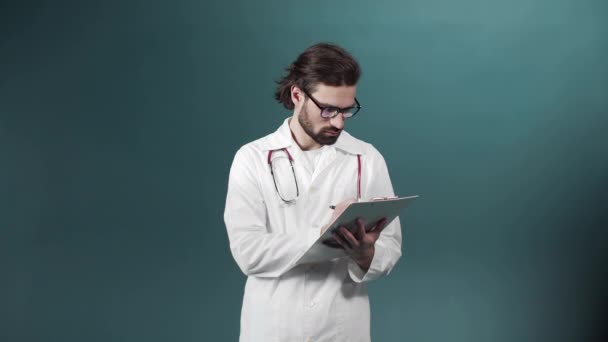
(359, 245)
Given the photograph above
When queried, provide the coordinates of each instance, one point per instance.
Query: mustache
(333, 130)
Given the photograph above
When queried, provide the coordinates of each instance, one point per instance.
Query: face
(321, 130)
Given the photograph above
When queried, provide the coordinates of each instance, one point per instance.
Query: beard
(321, 137)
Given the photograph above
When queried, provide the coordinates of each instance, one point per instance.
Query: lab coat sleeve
(257, 251)
(388, 246)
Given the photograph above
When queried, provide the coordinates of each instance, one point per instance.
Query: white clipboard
(370, 211)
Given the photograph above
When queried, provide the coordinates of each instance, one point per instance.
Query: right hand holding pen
(339, 209)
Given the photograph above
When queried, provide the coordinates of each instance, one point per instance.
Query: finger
(340, 236)
(380, 225)
(360, 229)
(331, 243)
(339, 240)
(348, 236)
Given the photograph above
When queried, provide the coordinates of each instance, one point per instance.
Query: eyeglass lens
(330, 112)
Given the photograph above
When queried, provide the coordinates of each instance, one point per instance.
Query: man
(279, 195)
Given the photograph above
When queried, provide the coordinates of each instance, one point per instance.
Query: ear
(297, 95)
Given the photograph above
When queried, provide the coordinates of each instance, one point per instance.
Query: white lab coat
(322, 302)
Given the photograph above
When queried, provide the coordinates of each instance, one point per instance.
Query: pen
(332, 207)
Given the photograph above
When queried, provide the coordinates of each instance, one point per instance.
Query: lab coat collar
(282, 138)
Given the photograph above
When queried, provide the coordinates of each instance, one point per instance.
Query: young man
(279, 195)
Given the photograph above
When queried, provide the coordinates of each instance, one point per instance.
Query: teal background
(119, 121)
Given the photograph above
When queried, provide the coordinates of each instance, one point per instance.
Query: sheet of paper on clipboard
(370, 211)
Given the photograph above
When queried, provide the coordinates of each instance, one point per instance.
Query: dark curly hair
(321, 63)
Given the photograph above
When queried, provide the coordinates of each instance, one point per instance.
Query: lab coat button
(312, 304)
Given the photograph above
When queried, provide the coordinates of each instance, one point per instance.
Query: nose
(338, 121)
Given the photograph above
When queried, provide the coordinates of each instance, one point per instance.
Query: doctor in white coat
(279, 192)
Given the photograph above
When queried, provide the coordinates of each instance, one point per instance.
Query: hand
(340, 207)
(360, 246)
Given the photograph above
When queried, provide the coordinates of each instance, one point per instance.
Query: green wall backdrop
(119, 121)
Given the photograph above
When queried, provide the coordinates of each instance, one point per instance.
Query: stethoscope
(290, 158)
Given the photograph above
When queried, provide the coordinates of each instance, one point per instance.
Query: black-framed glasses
(329, 112)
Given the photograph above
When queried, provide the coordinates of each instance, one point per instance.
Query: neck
(301, 137)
